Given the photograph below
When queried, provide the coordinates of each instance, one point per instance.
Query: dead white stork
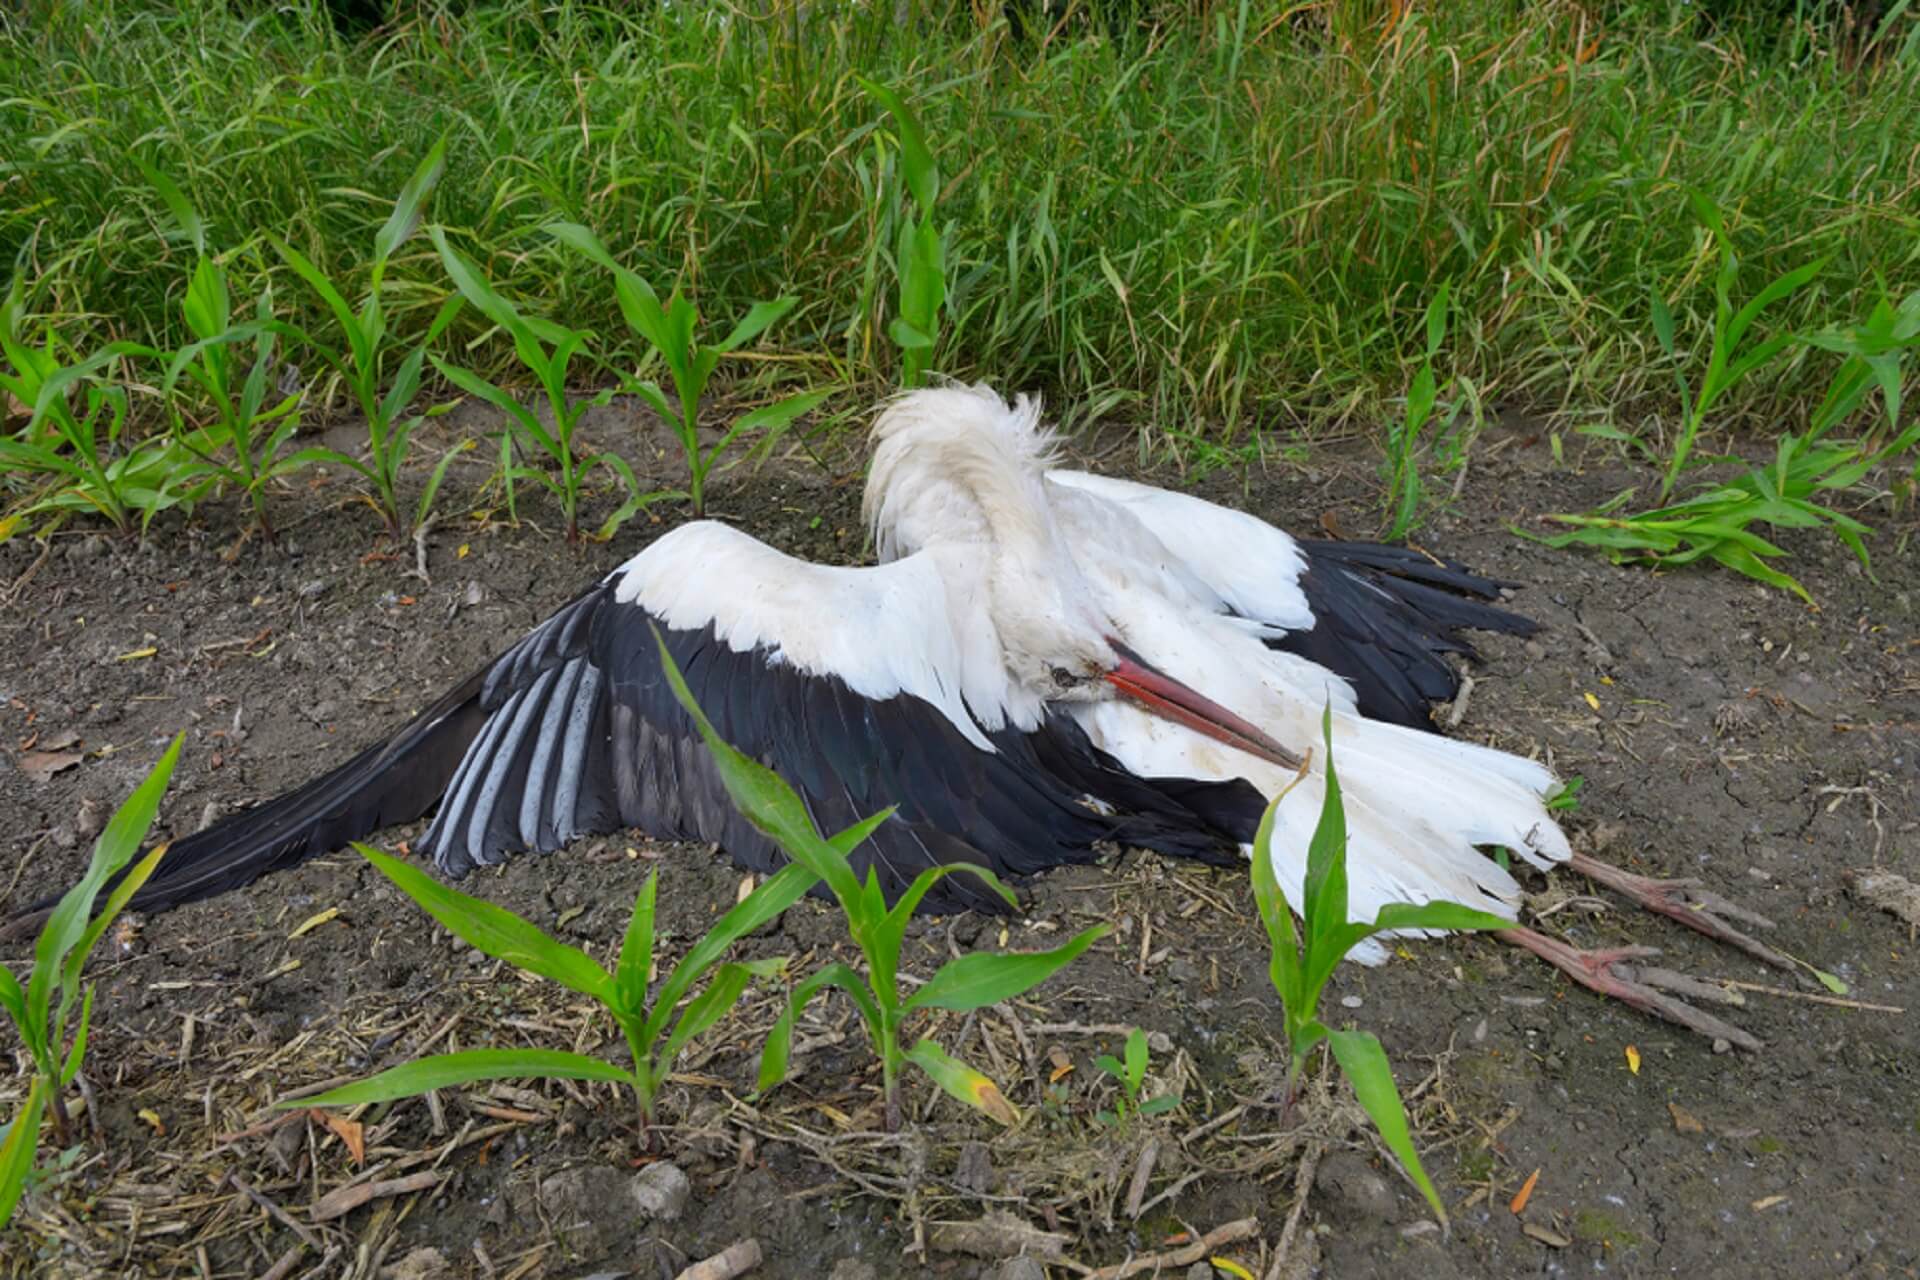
(1043, 661)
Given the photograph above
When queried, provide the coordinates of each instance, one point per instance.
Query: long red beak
(1165, 696)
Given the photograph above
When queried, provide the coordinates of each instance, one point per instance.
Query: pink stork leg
(1606, 973)
(1687, 902)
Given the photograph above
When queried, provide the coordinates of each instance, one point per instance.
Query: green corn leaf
(496, 931)
(1785, 286)
(474, 286)
(636, 953)
(1136, 1052)
(1742, 560)
(883, 946)
(1437, 319)
(907, 336)
(769, 899)
(1157, 1106)
(439, 474)
(777, 1054)
(759, 318)
(1420, 398)
(475, 385)
(772, 418)
(1326, 883)
(655, 398)
(67, 924)
(845, 842)
(916, 161)
(445, 1070)
(13, 998)
(405, 218)
(116, 903)
(406, 382)
(584, 242)
(207, 307)
(77, 1053)
(722, 993)
(763, 796)
(962, 1082)
(1365, 1064)
(22, 1144)
(357, 337)
(1284, 967)
(1451, 916)
(981, 978)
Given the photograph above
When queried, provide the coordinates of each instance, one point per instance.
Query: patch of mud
(1738, 737)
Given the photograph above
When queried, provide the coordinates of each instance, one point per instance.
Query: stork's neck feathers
(958, 464)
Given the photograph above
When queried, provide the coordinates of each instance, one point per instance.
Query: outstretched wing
(864, 688)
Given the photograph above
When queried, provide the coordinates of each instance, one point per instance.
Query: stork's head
(958, 465)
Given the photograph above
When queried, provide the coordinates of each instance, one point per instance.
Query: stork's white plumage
(1201, 592)
(1044, 661)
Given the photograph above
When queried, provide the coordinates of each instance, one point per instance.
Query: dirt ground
(1731, 734)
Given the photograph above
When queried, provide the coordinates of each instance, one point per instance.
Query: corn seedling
(969, 982)
(547, 350)
(669, 330)
(1304, 960)
(243, 420)
(1130, 1072)
(40, 1011)
(83, 459)
(1402, 466)
(1727, 362)
(1717, 524)
(362, 366)
(920, 257)
(657, 1021)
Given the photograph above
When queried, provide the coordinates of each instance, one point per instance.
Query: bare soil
(1723, 731)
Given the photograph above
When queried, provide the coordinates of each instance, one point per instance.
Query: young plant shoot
(1303, 961)
(969, 982)
(669, 332)
(40, 1011)
(657, 1022)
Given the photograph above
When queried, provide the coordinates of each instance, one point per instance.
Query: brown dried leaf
(1683, 1121)
(40, 766)
(350, 1132)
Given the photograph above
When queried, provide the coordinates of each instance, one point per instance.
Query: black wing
(575, 731)
(1386, 617)
(583, 734)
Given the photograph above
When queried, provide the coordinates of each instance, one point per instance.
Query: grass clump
(1811, 467)
(1223, 219)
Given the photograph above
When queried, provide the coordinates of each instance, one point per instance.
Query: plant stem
(62, 1122)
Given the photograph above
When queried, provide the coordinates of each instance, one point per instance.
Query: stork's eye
(1065, 678)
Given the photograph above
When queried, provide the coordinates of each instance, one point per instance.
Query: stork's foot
(1684, 900)
(1607, 973)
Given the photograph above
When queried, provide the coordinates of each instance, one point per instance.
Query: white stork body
(1043, 662)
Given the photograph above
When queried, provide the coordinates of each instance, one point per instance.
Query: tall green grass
(1231, 218)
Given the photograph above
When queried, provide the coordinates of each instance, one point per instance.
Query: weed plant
(1217, 217)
